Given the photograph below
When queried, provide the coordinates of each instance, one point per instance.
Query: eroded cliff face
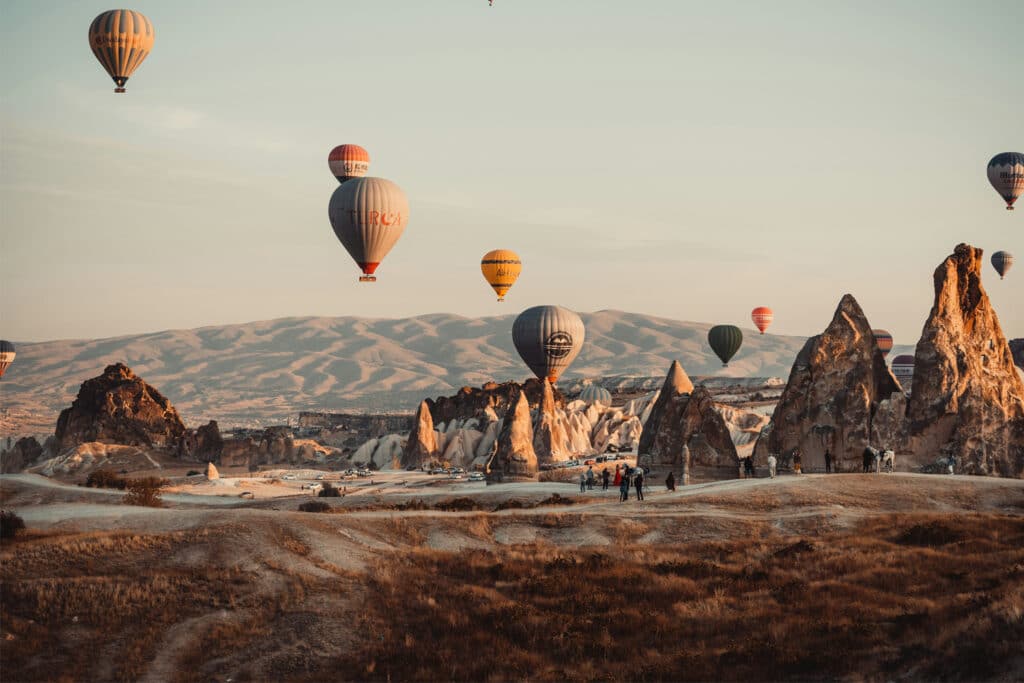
(837, 383)
(421, 447)
(968, 398)
(514, 457)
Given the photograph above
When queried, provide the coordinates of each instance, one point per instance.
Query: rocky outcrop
(421, 447)
(204, 444)
(24, 453)
(550, 438)
(836, 386)
(470, 403)
(211, 471)
(968, 399)
(118, 407)
(677, 383)
(515, 457)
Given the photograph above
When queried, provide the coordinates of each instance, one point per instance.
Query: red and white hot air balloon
(368, 216)
(348, 161)
(762, 317)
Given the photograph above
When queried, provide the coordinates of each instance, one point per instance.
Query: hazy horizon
(684, 160)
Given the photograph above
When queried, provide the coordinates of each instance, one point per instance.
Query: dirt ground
(409, 577)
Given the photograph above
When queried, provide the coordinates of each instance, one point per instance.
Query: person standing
(772, 462)
(618, 476)
(605, 476)
(828, 461)
(590, 478)
(583, 483)
(623, 488)
(670, 481)
(798, 463)
(638, 482)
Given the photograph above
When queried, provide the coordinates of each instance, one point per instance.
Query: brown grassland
(771, 584)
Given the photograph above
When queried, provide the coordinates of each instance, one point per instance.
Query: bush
(106, 479)
(10, 524)
(145, 492)
(329, 491)
(314, 506)
(192, 473)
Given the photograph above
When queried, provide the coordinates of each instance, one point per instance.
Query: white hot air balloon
(595, 394)
(368, 216)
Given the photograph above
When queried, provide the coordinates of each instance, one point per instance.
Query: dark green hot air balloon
(725, 341)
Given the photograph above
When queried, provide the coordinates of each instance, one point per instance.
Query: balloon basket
(118, 89)
(500, 299)
(367, 278)
(1009, 208)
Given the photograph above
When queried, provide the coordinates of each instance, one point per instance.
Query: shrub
(329, 491)
(10, 524)
(145, 492)
(314, 506)
(105, 479)
(192, 473)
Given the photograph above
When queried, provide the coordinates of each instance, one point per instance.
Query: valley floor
(849, 576)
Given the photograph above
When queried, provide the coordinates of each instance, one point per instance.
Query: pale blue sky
(685, 159)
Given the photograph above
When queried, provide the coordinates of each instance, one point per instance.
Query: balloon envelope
(7, 355)
(348, 161)
(1006, 173)
(883, 340)
(903, 370)
(501, 269)
(368, 216)
(762, 317)
(121, 39)
(595, 394)
(725, 341)
(1002, 261)
(548, 338)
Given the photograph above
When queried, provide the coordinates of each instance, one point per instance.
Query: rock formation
(514, 457)
(677, 383)
(204, 444)
(24, 453)
(119, 407)
(837, 383)
(470, 403)
(968, 399)
(421, 447)
(211, 471)
(550, 440)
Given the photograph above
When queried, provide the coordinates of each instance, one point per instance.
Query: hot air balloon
(725, 341)
(121, 39)
(548, 338)
(883, 341)
(1006, 173)
(762, 317)
(368, 216)
(595, 394)
(903, 370)
(348, 161)
(501, 269)
(1002, 261)
(7, 355)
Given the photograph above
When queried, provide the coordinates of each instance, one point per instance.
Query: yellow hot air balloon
(501, 269)
(121, 39)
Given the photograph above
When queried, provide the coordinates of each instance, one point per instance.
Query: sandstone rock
(277, 445)
(211, 471)
(421, 447)
(837, 382)
(204, 444)
(25, 452)
(550, 439)
(514, 457)
(677, 383)
(473, 403)
(968, 400)
(118, 407)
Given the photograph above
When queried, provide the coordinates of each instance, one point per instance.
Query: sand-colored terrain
(413, 577)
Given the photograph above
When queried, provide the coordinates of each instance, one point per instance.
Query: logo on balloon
(558, 345)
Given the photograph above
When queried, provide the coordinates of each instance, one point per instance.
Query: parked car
(437, 470)
(590, 461)
(319, 477)
(363, 473)
(350, 472)
(455, 475)
(477, 476)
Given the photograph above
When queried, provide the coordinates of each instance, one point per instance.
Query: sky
(691, 160)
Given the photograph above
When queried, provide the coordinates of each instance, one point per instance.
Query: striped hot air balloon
(595, 394)
(1002, 261)
(762, 317)
(725, 341)
(1006, 173)
(368, 216)
(548, 338)
(7, 355)
(348, 161)
(883, 340)
(903, 370)
(501, 269)
(121, 39)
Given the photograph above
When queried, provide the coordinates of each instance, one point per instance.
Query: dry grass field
(853, 577)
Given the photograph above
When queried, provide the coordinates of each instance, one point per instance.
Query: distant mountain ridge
(268, 371)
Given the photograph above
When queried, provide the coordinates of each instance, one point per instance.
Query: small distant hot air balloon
(1002, 261)
(7, 355)
(368, 216)
(348, 161)
(121, 39)
(725, 341)
(595, 394)
(883, 341)
(548, 338)
(1006, 173)
(762, 317)
(501, 269)
(903, 370)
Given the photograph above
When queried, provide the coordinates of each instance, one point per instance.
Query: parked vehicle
(477, 476)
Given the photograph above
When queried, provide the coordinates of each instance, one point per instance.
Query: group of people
(877, 460)
(623, 478)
